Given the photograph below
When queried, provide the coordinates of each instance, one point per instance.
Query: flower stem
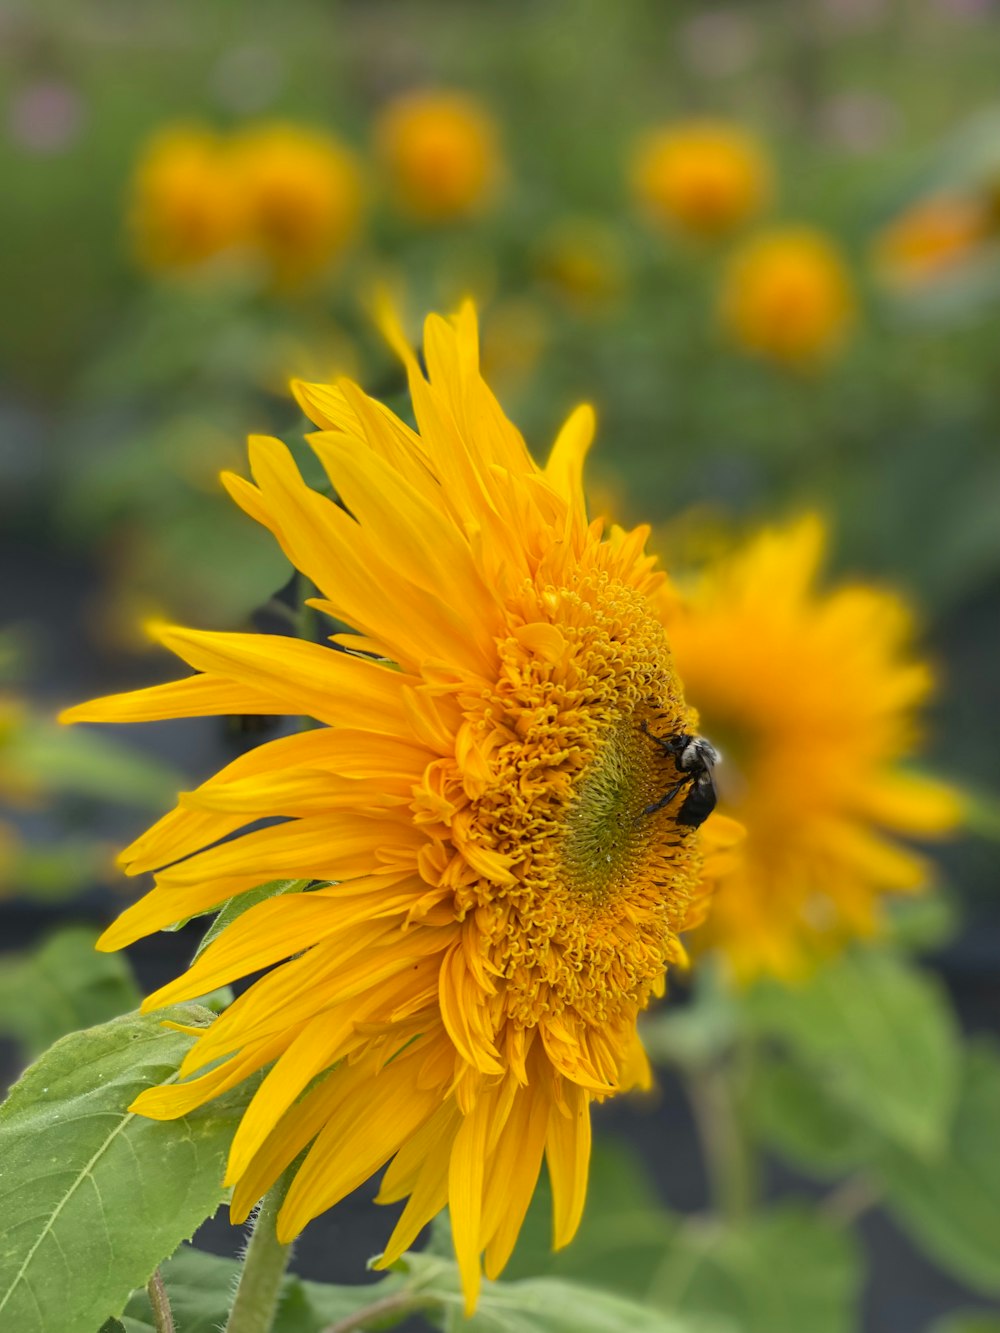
(264, 1267)
(163, 1319)
(728, 1157)
(400, 1303)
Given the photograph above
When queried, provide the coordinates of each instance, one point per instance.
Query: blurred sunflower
(703, 177)
(185, 206)
(787, 295)
(441, 154)
(497, 900)
(302, 195)
(813, 699)
(933, 237)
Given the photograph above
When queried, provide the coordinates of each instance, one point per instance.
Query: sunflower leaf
(796, 1114)
(235, 907)
(779, 1272)
(950, 1204)
(62, 986)
(537, 1305)
(882, 1037)
(93, 1197)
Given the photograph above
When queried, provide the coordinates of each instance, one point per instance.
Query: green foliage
(242, 902)
(200, 1288)
(781, 1271)
(623, 1236)
(796, 1113)
(533, 1305)
(950, 1202)
(56, 871)
(881, 1036)
(969, 1321)
(78, 761)
(93, 1197)
(63, 985)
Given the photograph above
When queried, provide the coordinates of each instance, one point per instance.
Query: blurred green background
(124, 390)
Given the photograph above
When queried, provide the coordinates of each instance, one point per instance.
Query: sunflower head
(787, 296)
(814, 698)
(498, 885)
(932, 238)
(302, 195)
(184, 205)
(701, 177)
(441, 154)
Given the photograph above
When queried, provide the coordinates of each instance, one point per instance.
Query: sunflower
(441, 154)
(494, 901)
(788, 296)
(185, 206)
(813, 698)
(302, 194)
(703, 177)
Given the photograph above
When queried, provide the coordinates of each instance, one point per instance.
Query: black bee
(695, 758)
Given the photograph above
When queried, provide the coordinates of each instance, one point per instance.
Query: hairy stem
(263, 1269)
(163, 1319)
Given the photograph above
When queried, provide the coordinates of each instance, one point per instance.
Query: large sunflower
(495, 901)
(813, 697)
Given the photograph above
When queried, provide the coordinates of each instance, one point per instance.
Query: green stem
(264, 1267)
(728, 1158)
(402, 1303)
(163, 1319)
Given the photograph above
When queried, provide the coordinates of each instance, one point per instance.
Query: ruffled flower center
(580, 919)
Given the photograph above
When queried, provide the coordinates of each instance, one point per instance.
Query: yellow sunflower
(441, 154)
(496, 901)
(703, 177)
(185, 206)
(813, 699)
(302, 193)
(787, 295)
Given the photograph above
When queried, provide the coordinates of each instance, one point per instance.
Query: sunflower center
(606, 825)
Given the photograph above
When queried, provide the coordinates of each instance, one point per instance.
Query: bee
(695, 758)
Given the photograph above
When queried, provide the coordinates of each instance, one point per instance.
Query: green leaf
(951, 1204)
(79, 762)
(780, 1272)
(62, 986)
(881, 1035)
(968, 1321)
(93, 1197)
(796, 1114)
(200, 1288)
(242, 902)
(536, 1305)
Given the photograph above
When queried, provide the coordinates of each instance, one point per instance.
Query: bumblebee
(695, 758)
